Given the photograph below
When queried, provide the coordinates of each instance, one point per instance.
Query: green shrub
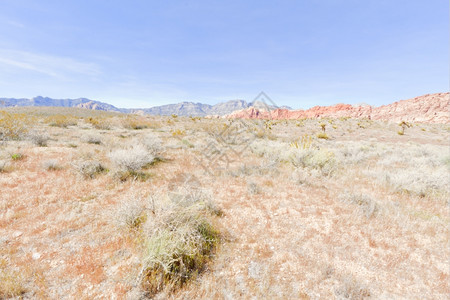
(17, 156)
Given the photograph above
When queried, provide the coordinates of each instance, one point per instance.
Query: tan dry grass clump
(11, 284)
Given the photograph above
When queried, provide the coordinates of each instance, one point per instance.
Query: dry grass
(11, 284)
(363, 214)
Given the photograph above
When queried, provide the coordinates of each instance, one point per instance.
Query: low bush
(368, 206)
(17, 156)
(152, 143)
(51, 165)
(322, 135)
(62, 121)
(320, 159)
(99, 123)
(132, 159)
(14, 126)
(39, 139)
(179, 242)
(90, 168)
(92, 139)
(135, 122)
(4, 166)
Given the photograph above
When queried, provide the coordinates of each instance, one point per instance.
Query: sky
(300, 53)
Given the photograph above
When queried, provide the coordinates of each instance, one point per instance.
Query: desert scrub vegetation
(92, 139)
(130, 161)
(403, 125)
(320, 159)
(4, 166)
(322, 135)
(102, 123)
(51, 165)
(38, 138)
(12, 285)
(135, 122)
(177, 234)
(62, 121)
(14, 126)
(17, 156)
(89, 169)
(140, 154)
(412, 169)
(304, 156)
(367, 205)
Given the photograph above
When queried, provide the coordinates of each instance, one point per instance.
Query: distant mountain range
(180, 109)
(430, 108)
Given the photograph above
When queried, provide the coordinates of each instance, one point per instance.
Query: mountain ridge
(429, 108)
(182, 108)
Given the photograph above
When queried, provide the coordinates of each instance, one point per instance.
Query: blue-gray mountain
(180, 109)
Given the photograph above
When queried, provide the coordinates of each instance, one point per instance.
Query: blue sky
(301, 53)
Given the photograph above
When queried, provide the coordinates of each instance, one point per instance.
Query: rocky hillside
(430, 108)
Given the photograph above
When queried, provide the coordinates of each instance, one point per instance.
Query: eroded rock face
(430, 108)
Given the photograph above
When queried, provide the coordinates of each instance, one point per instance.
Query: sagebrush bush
(320, 159)
(132, 159)
(351, 289)
(131, 213)
(38, 138)
(4, 166)
(368, 206)
(89, 168)
(51, 165)
(153, 143)
(92, 139)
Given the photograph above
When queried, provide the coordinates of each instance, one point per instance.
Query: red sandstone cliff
(430, 108)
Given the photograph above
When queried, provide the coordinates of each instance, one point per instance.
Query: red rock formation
(430, 108)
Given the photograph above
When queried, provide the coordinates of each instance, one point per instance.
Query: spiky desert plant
(403, 125)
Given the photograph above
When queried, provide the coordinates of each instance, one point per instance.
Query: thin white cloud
(14, 23)
(54, 66)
